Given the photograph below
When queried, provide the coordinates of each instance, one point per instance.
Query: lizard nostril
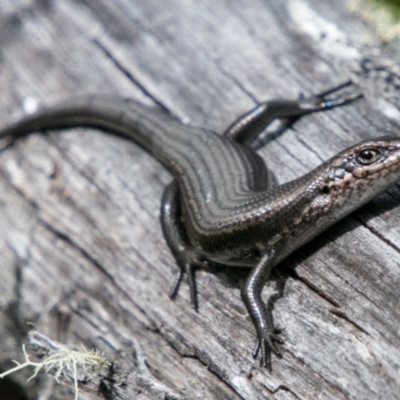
(325, 190)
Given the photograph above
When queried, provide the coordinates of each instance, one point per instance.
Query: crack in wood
(129, 75)
(344, 316)
(318, 291)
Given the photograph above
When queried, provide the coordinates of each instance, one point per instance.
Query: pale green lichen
(63, 360)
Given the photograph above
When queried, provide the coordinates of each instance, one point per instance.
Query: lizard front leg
(251, 295)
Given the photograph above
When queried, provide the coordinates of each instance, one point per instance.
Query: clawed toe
(327, 101)
(265, 345)
(324, 100)
(188, 261)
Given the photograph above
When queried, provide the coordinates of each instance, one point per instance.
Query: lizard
(221, 207)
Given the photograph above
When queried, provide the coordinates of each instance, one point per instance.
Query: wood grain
(82, 254)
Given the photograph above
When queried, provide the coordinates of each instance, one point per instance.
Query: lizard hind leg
(187, 258)
(250, 128)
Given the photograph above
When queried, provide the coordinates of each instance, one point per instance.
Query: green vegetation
(382, 15)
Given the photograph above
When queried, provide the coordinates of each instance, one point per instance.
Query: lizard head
(339, 186)
(359, 173)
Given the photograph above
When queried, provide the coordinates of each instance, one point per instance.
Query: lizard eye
(367, 156)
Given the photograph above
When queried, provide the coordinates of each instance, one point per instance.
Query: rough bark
(82, 254)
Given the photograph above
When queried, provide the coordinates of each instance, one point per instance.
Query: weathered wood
(82, 254)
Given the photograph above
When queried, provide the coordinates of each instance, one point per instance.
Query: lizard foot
(188, 261)
(266, 342)
(323, 101)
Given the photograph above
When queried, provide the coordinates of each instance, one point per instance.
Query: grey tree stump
(81, 250)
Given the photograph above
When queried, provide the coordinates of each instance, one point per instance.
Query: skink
(221, 207)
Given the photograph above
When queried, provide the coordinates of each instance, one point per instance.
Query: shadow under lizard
(221, 207)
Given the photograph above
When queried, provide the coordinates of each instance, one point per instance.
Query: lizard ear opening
(257, 253)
